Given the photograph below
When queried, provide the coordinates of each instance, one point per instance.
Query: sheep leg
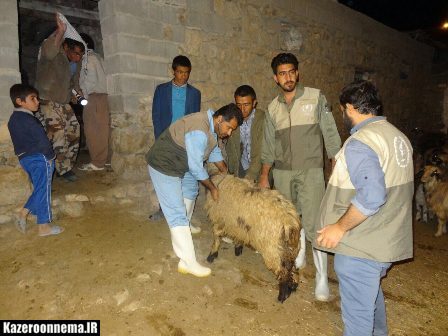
(215, 247)
(440, 227)
(238, 250)
(418, 213)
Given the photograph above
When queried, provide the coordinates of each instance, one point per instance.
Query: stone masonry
(232, 42)
(13, 181)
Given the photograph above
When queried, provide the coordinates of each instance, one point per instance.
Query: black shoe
(69, 176)
(156, 216)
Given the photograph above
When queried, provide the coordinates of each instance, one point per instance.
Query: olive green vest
(387, 235)
(298, 138)
(168, 155)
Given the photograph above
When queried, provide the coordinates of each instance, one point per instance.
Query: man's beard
(220, 134)
(288, 89)
(348, 122)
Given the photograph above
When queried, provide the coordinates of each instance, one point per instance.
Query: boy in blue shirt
(36, 156)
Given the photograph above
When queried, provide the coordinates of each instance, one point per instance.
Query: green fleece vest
(387, 235)
(168, 155)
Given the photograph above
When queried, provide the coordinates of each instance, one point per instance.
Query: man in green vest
(297, 124)
(176, 164)
(366, 213)
(243, 147)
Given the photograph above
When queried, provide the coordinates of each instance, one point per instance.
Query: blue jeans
(40, 172)
(171, 192)
(362, 300)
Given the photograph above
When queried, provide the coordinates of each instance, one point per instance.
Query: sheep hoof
(238, 250)
(212, 256)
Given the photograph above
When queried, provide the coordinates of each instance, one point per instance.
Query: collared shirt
(365, 173)
(300, 89)
(93, 79)
(178, 99)
(196, 144)
(245, 140)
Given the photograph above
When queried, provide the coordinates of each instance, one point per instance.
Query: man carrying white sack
(58, 67)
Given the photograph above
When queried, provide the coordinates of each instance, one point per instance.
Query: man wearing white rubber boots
(296, 125)
(175, 163)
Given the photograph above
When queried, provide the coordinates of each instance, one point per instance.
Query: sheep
(421, 209)
(438, 158)
(261, 219)
(436, 195)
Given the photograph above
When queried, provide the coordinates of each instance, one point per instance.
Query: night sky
(404, 15)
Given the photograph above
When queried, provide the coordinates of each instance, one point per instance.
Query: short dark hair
(228, 112)
(181, 60)
(21, 91)
(88, 40)
(244, 91)
(364, 97)
(71, 44)
(284, 58)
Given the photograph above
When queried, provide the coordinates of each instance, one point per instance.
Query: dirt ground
(116, 266)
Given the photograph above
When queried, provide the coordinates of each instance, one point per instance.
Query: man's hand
(215, 194)
(221, 165)
(212, 188)
(60, 26)
(333, 163)
(330, 235)
(59, 32)
(264, 182)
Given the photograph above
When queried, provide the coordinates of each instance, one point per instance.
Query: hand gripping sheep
(261, 219)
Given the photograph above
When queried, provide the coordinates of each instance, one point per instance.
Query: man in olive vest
(175, 164)
(366, 213)
(297, 124)
(244, 146)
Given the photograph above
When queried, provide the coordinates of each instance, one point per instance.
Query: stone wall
(13, 181)
(232, 43)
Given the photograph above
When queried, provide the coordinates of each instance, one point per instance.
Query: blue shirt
(178, 98)
(365, 173)
(196, 145)
(73, 66)
(245, 140)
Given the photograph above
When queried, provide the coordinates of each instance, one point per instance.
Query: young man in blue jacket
(172, 101)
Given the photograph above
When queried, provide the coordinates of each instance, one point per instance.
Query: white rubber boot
(184, 249)
(322, 292)
(301, 257)
(189, 205)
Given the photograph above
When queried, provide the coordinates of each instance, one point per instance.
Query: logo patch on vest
(402, 152)
(307, 111)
